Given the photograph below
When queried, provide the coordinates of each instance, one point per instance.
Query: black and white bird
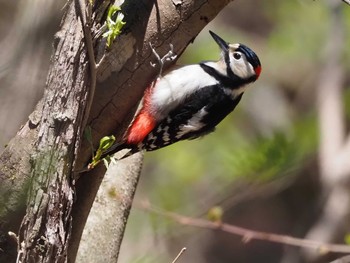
(188, 102)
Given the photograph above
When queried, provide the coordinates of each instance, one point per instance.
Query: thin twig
(179, 255)
(85, 12)
(248, 234)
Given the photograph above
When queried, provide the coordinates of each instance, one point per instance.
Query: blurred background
(279, 163)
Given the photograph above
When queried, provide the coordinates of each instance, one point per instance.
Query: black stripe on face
(229, 71)
(231, 81)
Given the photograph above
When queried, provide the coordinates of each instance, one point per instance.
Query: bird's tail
(114, 149)
(118, 147)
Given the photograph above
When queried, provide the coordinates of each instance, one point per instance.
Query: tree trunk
(46, 227)
(50, 147)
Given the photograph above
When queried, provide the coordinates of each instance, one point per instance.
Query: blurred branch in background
(247, 235)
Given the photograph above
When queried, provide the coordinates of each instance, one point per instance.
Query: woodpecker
(188, 102)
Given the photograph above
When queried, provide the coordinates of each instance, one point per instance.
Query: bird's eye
(237, 55)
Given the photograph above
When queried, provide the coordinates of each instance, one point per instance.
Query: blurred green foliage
(347, 239)
(236, 150)
(292, 35)
(190, 177)
(347, 102)
(182, 170)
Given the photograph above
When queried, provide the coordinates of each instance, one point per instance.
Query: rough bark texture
(46, 228)
(22, 74)
(46, 147)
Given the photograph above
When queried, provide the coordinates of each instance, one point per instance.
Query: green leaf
(106, 142)
(114, 26)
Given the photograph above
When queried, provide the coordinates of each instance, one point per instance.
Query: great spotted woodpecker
(190, 101)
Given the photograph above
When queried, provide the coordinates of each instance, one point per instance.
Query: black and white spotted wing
(198, 116)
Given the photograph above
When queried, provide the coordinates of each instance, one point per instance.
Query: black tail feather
(121, 146)
(114, 148)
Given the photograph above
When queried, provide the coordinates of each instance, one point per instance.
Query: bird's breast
(173, 88)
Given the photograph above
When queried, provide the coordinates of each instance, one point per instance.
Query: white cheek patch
(242, 69)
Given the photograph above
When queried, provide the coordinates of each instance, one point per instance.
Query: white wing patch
(166, 134)
(193, 124)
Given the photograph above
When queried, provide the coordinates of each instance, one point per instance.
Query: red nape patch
(257, 71)
(142, 125)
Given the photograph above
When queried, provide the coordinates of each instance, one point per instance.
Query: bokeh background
(276, 164)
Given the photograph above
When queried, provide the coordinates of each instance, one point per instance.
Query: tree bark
(44, 154)
(46, 227)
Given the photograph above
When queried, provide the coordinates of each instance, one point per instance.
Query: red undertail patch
(142, 125)
(144, 122)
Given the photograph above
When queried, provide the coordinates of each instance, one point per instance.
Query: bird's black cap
(250, 54)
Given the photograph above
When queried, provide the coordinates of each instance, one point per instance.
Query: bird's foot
(170, 56)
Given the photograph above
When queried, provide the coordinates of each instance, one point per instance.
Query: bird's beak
(222, 43)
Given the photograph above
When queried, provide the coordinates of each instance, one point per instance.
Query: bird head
(238, 60)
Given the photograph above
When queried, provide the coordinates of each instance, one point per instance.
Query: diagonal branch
(247, 234)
